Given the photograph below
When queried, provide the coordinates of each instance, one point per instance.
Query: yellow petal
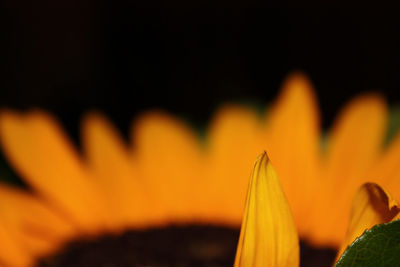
(354, 145)
(39, 150)
(268, 235)
(111, 163)
(293, 136)
(233, 141)
(168, 158)
(371, 205)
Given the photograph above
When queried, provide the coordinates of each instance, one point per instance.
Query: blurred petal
(387, 171)
(11, 253)
(38, 149)
(357, 135)
(233, 140)
(38, 227)
(268, 235)
(354, 144)
(293, 137)
(110, 161)
(371, 205)
(168, 158)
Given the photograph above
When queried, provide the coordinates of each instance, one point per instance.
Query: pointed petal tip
(261, 164)
(267, 226)
(263, 157)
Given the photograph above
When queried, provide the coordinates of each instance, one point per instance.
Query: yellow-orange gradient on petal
(188, 179)
(268, 235)
(371, 205)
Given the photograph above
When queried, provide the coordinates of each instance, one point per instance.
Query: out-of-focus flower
(321, 181)
(268, 235)
(167, 175)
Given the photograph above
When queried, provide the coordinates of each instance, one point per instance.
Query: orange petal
(293, 136)
(110, 161)
(38, 149)
(32, 220)
(387, 171)
(234, 138)
(355, 143)
(168, 158)
(268, 236)
(371, 205)
(11, 254)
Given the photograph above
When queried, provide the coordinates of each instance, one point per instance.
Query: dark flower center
(171, 246)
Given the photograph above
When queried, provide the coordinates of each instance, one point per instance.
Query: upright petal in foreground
(371, 205)
(268, 236)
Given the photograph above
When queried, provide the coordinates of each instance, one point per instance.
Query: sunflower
(167, 175)
(320, 178)
(268, 235)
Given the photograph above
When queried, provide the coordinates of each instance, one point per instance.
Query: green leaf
(379, 246)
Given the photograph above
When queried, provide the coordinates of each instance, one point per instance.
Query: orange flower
(320, 182)
(268, 236)
(167, 175)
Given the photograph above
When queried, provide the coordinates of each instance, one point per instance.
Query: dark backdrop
(71, 56)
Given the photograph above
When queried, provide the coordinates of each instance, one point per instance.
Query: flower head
(111, 185)
(268, 235)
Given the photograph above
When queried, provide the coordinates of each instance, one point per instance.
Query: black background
(71, 56)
